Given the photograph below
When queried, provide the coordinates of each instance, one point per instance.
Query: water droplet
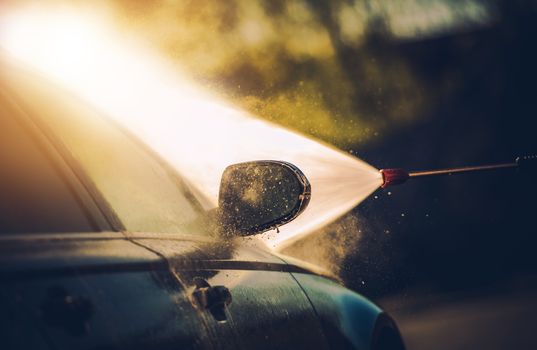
(376, 197)
(389, 193)
(403, 214)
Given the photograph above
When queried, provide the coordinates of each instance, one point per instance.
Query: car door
(268, 309)
(64, 283)
(92, 292)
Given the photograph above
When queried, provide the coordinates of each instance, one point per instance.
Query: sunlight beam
(194, 131)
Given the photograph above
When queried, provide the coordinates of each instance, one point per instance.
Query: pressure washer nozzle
(393, 177)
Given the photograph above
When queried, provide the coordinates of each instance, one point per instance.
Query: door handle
(212, 298)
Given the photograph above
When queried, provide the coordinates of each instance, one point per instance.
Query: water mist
(195, 132)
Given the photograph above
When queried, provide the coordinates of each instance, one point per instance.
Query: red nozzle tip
(393, 177)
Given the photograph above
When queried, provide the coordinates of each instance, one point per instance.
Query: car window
(145, 194)
(33, 195)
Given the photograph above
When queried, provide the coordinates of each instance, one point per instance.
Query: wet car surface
(104, 246)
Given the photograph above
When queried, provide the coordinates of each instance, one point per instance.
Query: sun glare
(193, 130)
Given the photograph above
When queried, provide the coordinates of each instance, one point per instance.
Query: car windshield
(145, 194)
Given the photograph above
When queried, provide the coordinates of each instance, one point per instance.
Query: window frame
(91, 203)
(94, 199)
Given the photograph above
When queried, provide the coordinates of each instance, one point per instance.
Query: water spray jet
(391, 177)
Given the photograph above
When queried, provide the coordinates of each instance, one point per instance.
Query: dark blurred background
(459, 231)
(412, 84)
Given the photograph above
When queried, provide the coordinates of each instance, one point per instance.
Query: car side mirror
(260, 195)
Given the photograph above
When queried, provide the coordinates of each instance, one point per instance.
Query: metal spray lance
(392, 177)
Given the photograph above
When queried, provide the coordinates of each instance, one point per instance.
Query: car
(104, 246)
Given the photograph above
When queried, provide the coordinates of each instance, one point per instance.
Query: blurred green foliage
(324, 68)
